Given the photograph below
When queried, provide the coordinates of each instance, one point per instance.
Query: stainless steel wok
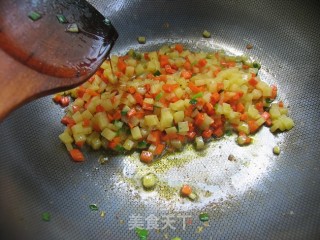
(259, 196)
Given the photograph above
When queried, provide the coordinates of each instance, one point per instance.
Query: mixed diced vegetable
(160, 100)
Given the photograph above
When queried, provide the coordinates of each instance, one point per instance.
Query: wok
(258, 196)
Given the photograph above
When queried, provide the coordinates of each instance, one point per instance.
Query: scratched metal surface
(259, 196)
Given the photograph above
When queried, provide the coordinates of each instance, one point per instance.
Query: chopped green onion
(134, 54)
(124, 113)
(159, 96)
(142, 233)
(120, 148)
(206, 34)
(73, 27)
(229, 132)
(198, 95)
(276, 150)
(106, 21)
(256, 65)
(46, 216)
(204, 217)
(141, 40)
(193, 101)
(34, 16)
(157, 73)
(149, 181)
(176, 238)
(142, 144)
(268, 100)
(93, 207)
(61, 18)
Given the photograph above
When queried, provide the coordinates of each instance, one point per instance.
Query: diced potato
(178, 116)
(179, 92)
(87, 115)
(128, 144)
(77, 129)
(148, 100)
(177, 106)
(96, 143)
(183, 126)
(79, 137)
(108, 134)
(151, 120)
(199, 143)
(136, 133)
(65, 138)
(253, 112)
(77, 117)
(166, 118)
(171, 130)
(129, 71)
(243, 127)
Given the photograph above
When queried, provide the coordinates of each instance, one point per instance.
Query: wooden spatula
(48, 46)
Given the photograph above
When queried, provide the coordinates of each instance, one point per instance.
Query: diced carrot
(80, 91)
(138, 97)
(220, 86)
(174, 99)
(187, 65)
(96, 128)
(164, 60)
(202, 62)
(179, 47)
(218, 132)
(57, 98)
(240, 108)
(194, 88)
(91, 92)
(121, 65)
(76, 155)
(159, 149)
(131, 89)
(146, 156)
(75, 108)
(186, 74)
(80, 143)
(231, 64)
(131, 112)
(253, 126)
(259, 106)
(147, 87)
(253, 82)
(68, 121)
(117, 115)
(147, 106)
(215, 72)
(265, 115)
(191, 135)
(64, 101)
(281, 104)
(208, 107)
(245, 67)
(207, 133)
(169, 69)
(186, 190)
(215, 97)
(169, 87)
(268, 122)
(274, 91)
(199, 119)
(100, 108)
(191, 126)
(146, 56)
(243, 117)
(86, 122)
(114, 142)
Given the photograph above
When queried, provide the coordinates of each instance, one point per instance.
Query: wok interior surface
(279, 200)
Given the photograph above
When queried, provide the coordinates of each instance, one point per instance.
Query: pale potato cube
(136, 133)
(151, 120)
(108, 134)
(183, 126)
(171, 130)
(178, 116)
(77, 117)
(178, 105)
(65, 137)
(128, 144)
(166, 118)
